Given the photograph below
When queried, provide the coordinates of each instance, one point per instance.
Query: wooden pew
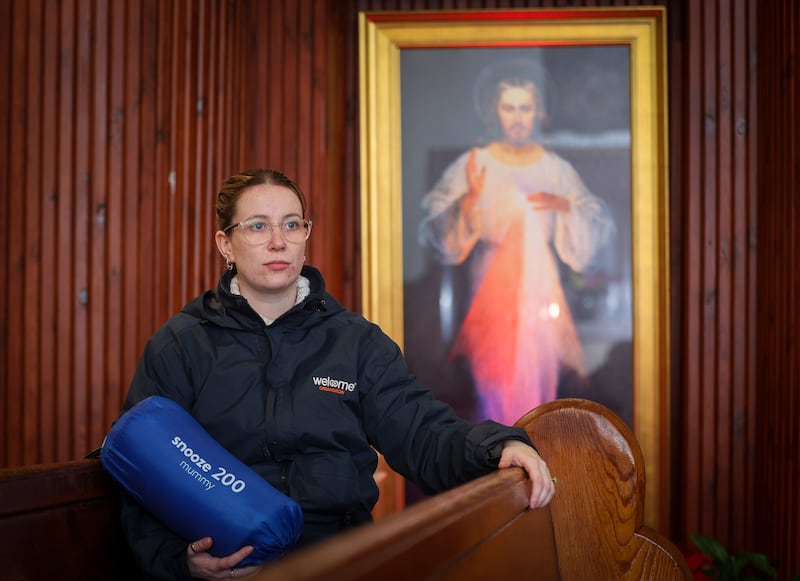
(593, 529)
(61, 521)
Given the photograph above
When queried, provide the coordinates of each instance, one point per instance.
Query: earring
(228, 263)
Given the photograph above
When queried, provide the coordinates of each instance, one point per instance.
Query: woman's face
(516, 108)
(272, 267)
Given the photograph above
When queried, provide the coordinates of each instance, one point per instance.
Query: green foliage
(725, 566)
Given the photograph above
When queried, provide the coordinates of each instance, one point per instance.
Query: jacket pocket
(324, 482)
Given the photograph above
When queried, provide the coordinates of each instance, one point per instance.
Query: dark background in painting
(588, 124)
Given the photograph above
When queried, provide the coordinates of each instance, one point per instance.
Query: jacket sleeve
(159, 552)
(421, 437)
(162, 370)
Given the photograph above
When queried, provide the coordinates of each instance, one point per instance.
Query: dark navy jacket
(303, 402)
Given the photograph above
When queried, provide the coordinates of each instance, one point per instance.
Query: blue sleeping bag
(182, 476)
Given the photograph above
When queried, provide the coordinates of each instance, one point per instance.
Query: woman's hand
(203, 565)
(542, 201)
(543, 485)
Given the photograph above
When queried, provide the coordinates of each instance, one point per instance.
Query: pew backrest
(598, 509)
(61, 521)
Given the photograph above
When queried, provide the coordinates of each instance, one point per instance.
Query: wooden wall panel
(93, 261)
(294, 119)
(122, 119)
(716, 138)
(777, 489)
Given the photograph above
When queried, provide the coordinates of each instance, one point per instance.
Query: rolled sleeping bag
(167, 461)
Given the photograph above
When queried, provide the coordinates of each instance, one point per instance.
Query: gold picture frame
(387, 39)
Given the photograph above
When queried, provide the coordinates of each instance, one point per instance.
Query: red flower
(698, 561)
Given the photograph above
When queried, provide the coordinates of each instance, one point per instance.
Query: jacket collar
(227, 309)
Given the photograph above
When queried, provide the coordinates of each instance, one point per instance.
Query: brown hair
(235, 186)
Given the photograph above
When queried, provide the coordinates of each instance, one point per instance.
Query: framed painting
(515, 213)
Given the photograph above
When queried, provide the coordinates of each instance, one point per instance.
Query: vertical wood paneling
(290, 88)
(80, 182)
(678, 109)
(98, 232)
(113, 213)
(717, 147)
(14, 410)
(779, 299)
(131, 116)
(49, 235)
(294, 124)
(122, 119)
(744, 260)
(5, 210)
(273, 116)
(63, 130)
(102, 103)
(33, 96)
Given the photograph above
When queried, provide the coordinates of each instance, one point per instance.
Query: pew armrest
(481, 530)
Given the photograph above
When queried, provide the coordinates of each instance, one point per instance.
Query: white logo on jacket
(339, 386)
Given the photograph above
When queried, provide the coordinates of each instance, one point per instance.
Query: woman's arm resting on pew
(516, 453)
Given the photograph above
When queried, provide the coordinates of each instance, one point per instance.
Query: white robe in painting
(518, 331)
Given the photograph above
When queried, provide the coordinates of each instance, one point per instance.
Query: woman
(271, 338)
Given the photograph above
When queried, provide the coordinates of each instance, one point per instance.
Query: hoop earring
(228, 263)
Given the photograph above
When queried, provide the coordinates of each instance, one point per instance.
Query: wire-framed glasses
(258, 231)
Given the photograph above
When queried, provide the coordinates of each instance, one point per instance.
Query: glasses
(258, 231)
